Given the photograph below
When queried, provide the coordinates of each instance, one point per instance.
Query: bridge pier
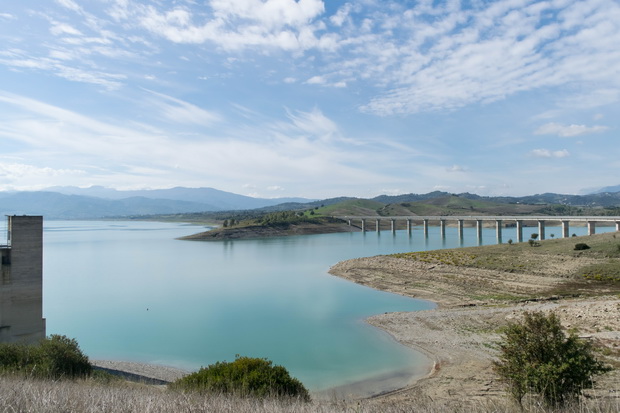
(426, 228)
(519, 230)
(541, 229)
(565, 229)
(409, 226)
(378, 225)
(460, 226)
(393, 226)
(617, 225)
(591, 227)
(363, 225)
(479, 230)
(498, 230)
(442, 228)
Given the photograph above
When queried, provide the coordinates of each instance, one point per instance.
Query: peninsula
(478, 291)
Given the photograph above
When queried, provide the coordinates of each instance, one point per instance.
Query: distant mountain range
(99, 202)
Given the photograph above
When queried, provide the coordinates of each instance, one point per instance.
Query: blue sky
(311, 98)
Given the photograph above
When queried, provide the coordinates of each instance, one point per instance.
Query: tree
(536, 356)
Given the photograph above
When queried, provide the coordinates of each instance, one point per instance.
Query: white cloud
(321, 80)
(568, 130)
(314, 123)
(341, 15)
(546, 153)
(182, 112)
(69, 4)
(20, 176)
(495, 49)
(61, 28)
(421, 56)
(235, 25)
(60, 63)
(456, 168)
(275, 188)
(316, 80)
(299, 148)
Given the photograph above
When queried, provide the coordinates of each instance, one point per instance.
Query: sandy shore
(460, 336)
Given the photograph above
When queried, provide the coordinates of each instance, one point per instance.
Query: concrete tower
(21, 281)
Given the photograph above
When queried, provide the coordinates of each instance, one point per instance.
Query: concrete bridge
(498, 221)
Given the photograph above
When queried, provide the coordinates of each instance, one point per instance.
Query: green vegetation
(54, 357)
(245, 376)
(606, 271)
(581, 246)
(537, 357)
(520, 258)
(285, 218)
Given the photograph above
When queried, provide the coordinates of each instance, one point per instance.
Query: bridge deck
(487, 218)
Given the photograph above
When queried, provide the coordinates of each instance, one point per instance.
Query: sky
(311, 98)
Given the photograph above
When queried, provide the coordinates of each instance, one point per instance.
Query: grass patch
(607, 272)
(522, 258)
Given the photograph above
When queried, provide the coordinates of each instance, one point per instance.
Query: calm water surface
(131, 291)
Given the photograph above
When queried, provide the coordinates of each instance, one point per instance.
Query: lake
(131, 291)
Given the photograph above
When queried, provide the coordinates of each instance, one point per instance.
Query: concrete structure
(21, 282)
(459, 221)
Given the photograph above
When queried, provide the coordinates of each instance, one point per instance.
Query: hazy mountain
(615, 188)
(100, 202)
(54, 205)
(214, 199)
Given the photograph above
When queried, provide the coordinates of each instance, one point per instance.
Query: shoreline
(460, 335)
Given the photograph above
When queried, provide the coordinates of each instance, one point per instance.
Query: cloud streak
(568, 131)
(546, 153)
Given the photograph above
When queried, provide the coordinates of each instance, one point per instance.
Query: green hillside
(442, 205)
(355, 207)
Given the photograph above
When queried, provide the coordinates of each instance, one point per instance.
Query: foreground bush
(245, 376)
(536, 356)
(54, 357)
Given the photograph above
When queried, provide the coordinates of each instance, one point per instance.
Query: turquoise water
(131, 291)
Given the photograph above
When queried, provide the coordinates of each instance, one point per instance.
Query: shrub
(61, 356)
(245, 376)
(54, 357)
(536, 356)
(581, 246)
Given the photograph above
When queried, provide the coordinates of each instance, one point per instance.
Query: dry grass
(88, 396)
